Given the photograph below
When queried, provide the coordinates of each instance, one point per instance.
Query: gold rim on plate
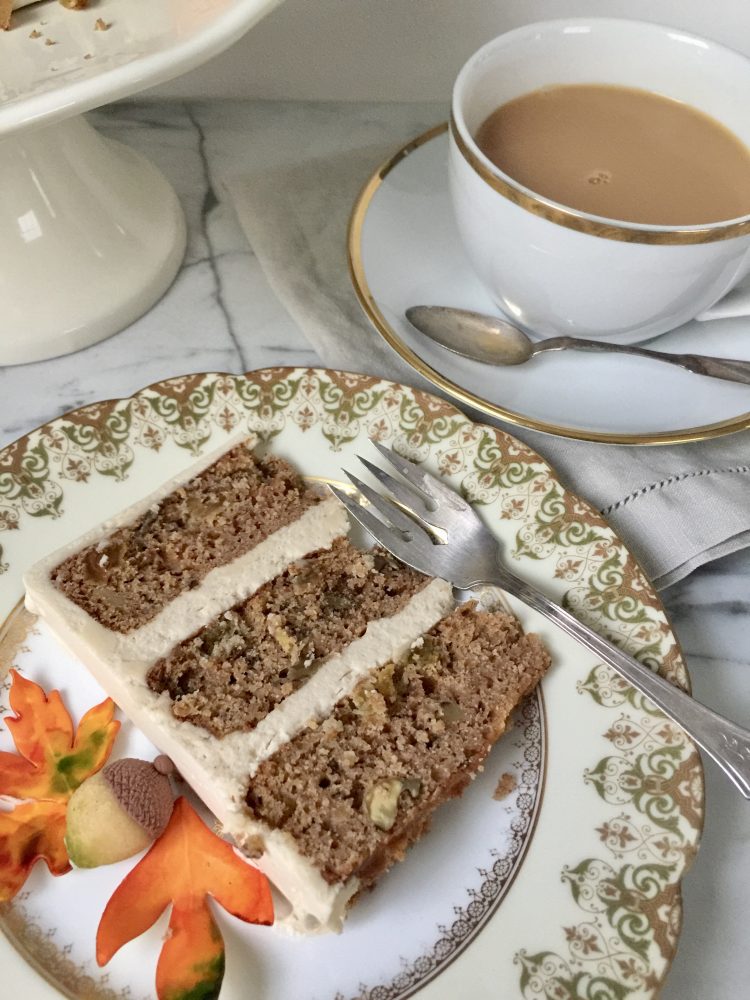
(454, 390)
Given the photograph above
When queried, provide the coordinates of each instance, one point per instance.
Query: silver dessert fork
(428, 526)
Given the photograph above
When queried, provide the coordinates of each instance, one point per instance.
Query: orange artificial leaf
(29, 832)
(51, 763)
(185, 865)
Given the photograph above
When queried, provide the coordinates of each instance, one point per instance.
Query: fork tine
(390, 511)
(428, 484)
(381, 532)
(407, 495)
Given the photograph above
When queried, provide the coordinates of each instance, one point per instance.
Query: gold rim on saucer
(460, 393)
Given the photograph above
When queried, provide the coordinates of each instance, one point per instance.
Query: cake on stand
(91, 234)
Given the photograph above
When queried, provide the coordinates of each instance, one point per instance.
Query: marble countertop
(220, 314)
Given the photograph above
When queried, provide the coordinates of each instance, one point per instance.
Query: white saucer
(405, 250)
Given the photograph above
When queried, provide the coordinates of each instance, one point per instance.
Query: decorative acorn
(119, 811)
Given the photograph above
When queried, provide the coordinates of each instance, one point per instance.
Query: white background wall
(410, 49)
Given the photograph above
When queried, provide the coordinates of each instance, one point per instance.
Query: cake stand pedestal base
(91, 235)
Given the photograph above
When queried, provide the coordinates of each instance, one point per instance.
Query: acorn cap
(144, 791)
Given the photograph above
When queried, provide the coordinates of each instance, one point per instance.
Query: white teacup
(552, 269)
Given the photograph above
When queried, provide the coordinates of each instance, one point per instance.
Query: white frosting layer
(219, 769)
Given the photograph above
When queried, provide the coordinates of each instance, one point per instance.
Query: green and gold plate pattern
(565, 886)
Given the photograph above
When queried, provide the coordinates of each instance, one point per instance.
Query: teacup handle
(735, 303)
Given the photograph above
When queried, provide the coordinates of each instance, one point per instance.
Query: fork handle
(724, 741)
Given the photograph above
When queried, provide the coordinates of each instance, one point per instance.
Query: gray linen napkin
(676, 507)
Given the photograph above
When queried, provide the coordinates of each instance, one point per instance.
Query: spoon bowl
(489, 339)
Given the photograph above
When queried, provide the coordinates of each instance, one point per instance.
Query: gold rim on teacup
(593, 225)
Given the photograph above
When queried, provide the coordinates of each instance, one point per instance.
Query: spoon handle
(725, 368)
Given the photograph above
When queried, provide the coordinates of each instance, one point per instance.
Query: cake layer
(233, 673)
(353, 792)
(124, 580)
(134, 652)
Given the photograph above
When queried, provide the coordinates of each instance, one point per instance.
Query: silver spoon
(495, 341)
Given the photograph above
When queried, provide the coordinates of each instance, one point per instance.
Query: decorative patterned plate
(405, 250)
(557, 875)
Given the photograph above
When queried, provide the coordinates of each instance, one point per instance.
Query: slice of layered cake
(320, 699)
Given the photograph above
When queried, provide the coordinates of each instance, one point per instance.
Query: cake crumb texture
(506, 785)
(354, 791)
(232, 673)
(126, 579)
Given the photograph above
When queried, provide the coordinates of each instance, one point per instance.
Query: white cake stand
(91, 234)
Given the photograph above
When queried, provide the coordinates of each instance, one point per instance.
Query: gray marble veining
(220, 314)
